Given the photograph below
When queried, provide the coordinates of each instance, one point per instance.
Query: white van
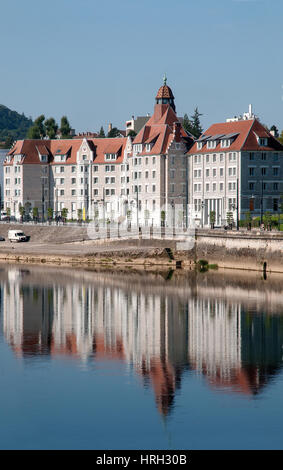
(17, 236)
(4, 215)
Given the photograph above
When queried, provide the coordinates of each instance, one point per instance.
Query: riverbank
(71, 246)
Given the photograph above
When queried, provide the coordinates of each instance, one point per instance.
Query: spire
(164, 79)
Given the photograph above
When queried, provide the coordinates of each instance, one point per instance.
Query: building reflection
(235, 347)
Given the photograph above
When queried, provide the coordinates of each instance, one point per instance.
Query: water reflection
(225, 328)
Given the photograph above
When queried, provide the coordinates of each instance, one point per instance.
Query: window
(232, 171)
(95, 180)
(214, 172)
(221, 172)
(251, 156)
(146, 161)
(207, 187)
(207, 172)
(199, 145)
(221, 157)
(62, 169)
(112, 179)
(275, 205)
(73, 169)
(95, 168)
(153, 174)
(146, 174)
(251, 171)
(275, 171)
(7, 169)
(153, 188)
(275, 186)
(251, 186)
(73, 192)
(214, 157)
(172, 187)
(275, 156)
(263, 171)
(207, 158)
(211, 144)
(112, 192)
(62, 192)
(148, 147)
(263, 156)
(95, 192)
(221, 187)
(263, 141)
(225, 143)
(214, 187)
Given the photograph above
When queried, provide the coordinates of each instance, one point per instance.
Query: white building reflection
(159, 333)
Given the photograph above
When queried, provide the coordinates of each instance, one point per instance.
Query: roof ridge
(248, 133)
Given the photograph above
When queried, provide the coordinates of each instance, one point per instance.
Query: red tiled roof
(32, 148)
(247, 130)
(159, 127)
(164, 92)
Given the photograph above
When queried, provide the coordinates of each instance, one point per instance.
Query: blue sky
(103, 61)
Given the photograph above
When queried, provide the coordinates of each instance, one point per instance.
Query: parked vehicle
(2, 239)
(4, 215)
(17, 236)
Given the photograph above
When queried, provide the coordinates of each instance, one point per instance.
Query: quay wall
(255, 250)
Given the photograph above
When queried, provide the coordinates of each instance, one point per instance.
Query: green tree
(50, 213)
(64, 213)
(230, 218)
(22, 212)
(37, 131)
(267, 220)
(248, 220)
(114, 132)
(8, 142)
(212, 218)
(281, 137)
(65, 128)
(275, 130)
(196, 126)
(187, 124)
(101, 133)
(132, 133)
(80, 214)
(35, 213)
(51, 128)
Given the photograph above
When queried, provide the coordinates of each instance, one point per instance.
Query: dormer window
(225, 143)
(110, 156)
(263, 141)
(211, 144)
(60, 158)
(138, 148)
(17, 158)
(43, 158)
(148, 147)
(199, 145)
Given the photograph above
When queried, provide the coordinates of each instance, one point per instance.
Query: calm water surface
(140, 360)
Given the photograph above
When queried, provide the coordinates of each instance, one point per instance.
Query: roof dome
(165, 95)
(164, 92)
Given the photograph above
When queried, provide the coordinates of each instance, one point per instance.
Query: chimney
(177, 131)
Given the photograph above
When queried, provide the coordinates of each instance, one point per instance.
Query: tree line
(43, 128)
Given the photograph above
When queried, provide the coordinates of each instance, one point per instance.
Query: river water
(140, 360)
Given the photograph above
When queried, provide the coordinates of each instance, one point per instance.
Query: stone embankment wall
(240, 250)
(255, 250)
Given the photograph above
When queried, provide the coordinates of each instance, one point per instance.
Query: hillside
(12, 124)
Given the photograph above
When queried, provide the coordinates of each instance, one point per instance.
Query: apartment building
(106, 178)
(235, 167)
(159, 165)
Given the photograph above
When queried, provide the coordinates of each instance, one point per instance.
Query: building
(159, 164)
(111, 178)
(235, 167)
